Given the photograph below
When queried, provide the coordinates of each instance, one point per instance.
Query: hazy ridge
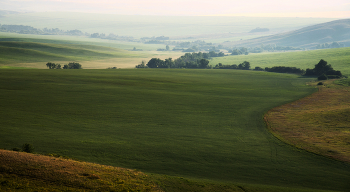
(307, 37)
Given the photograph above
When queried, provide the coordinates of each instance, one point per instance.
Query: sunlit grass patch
(319, 123)
(27, 172)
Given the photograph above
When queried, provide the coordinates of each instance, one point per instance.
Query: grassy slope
(194, 123)
(22, 51)
(28, 172)
(14, 52)
(338, 58)
(57, 39)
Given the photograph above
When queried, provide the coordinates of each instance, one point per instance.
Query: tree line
(71, 65)
(322, 70)
(244, 66)
(189, 60)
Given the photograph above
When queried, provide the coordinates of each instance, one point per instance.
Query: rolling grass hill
(339, 59)
(307, 37)
(198, 124)
(24, 52)
(33, 51)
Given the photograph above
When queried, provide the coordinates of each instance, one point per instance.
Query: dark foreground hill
(307, 37)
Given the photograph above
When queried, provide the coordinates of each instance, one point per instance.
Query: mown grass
(204, 124)
(338, 58)
(319, 123)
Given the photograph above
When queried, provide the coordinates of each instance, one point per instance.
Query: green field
(199, 124)
(338, 58)
(78, 40)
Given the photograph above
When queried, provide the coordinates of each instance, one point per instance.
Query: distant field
(57, 39)
(201, 124)
(338, 58)
(149, 26)
(27, 51)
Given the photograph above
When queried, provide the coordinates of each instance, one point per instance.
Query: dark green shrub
(258, 69)
(319, 83)
(16, 149)
(27, 148)
(333, 77)
(322, 77)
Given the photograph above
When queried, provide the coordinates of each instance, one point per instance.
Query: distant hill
(307, 37)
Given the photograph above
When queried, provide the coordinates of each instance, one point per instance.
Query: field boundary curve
(317, 123)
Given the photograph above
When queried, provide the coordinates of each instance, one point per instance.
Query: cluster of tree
(160, 38)
(142, 65)
(23, 29)
(71, 65)
(283, 69)
(215, 54)
(262, 48)
(323, 71)
(327, 46)
(112, 36)
(273, 48)
(258, 29)
(169, 63)
(244, 66)
(189, 60)
(187, 46)
(240, 51)
(167, 48)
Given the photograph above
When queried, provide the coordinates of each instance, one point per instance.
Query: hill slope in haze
(307, 37)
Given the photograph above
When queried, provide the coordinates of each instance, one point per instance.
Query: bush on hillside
(323, 70)
(322, 77)
(283, 69)
(27, 148)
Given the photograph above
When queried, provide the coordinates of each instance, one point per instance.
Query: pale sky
(265, 8)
